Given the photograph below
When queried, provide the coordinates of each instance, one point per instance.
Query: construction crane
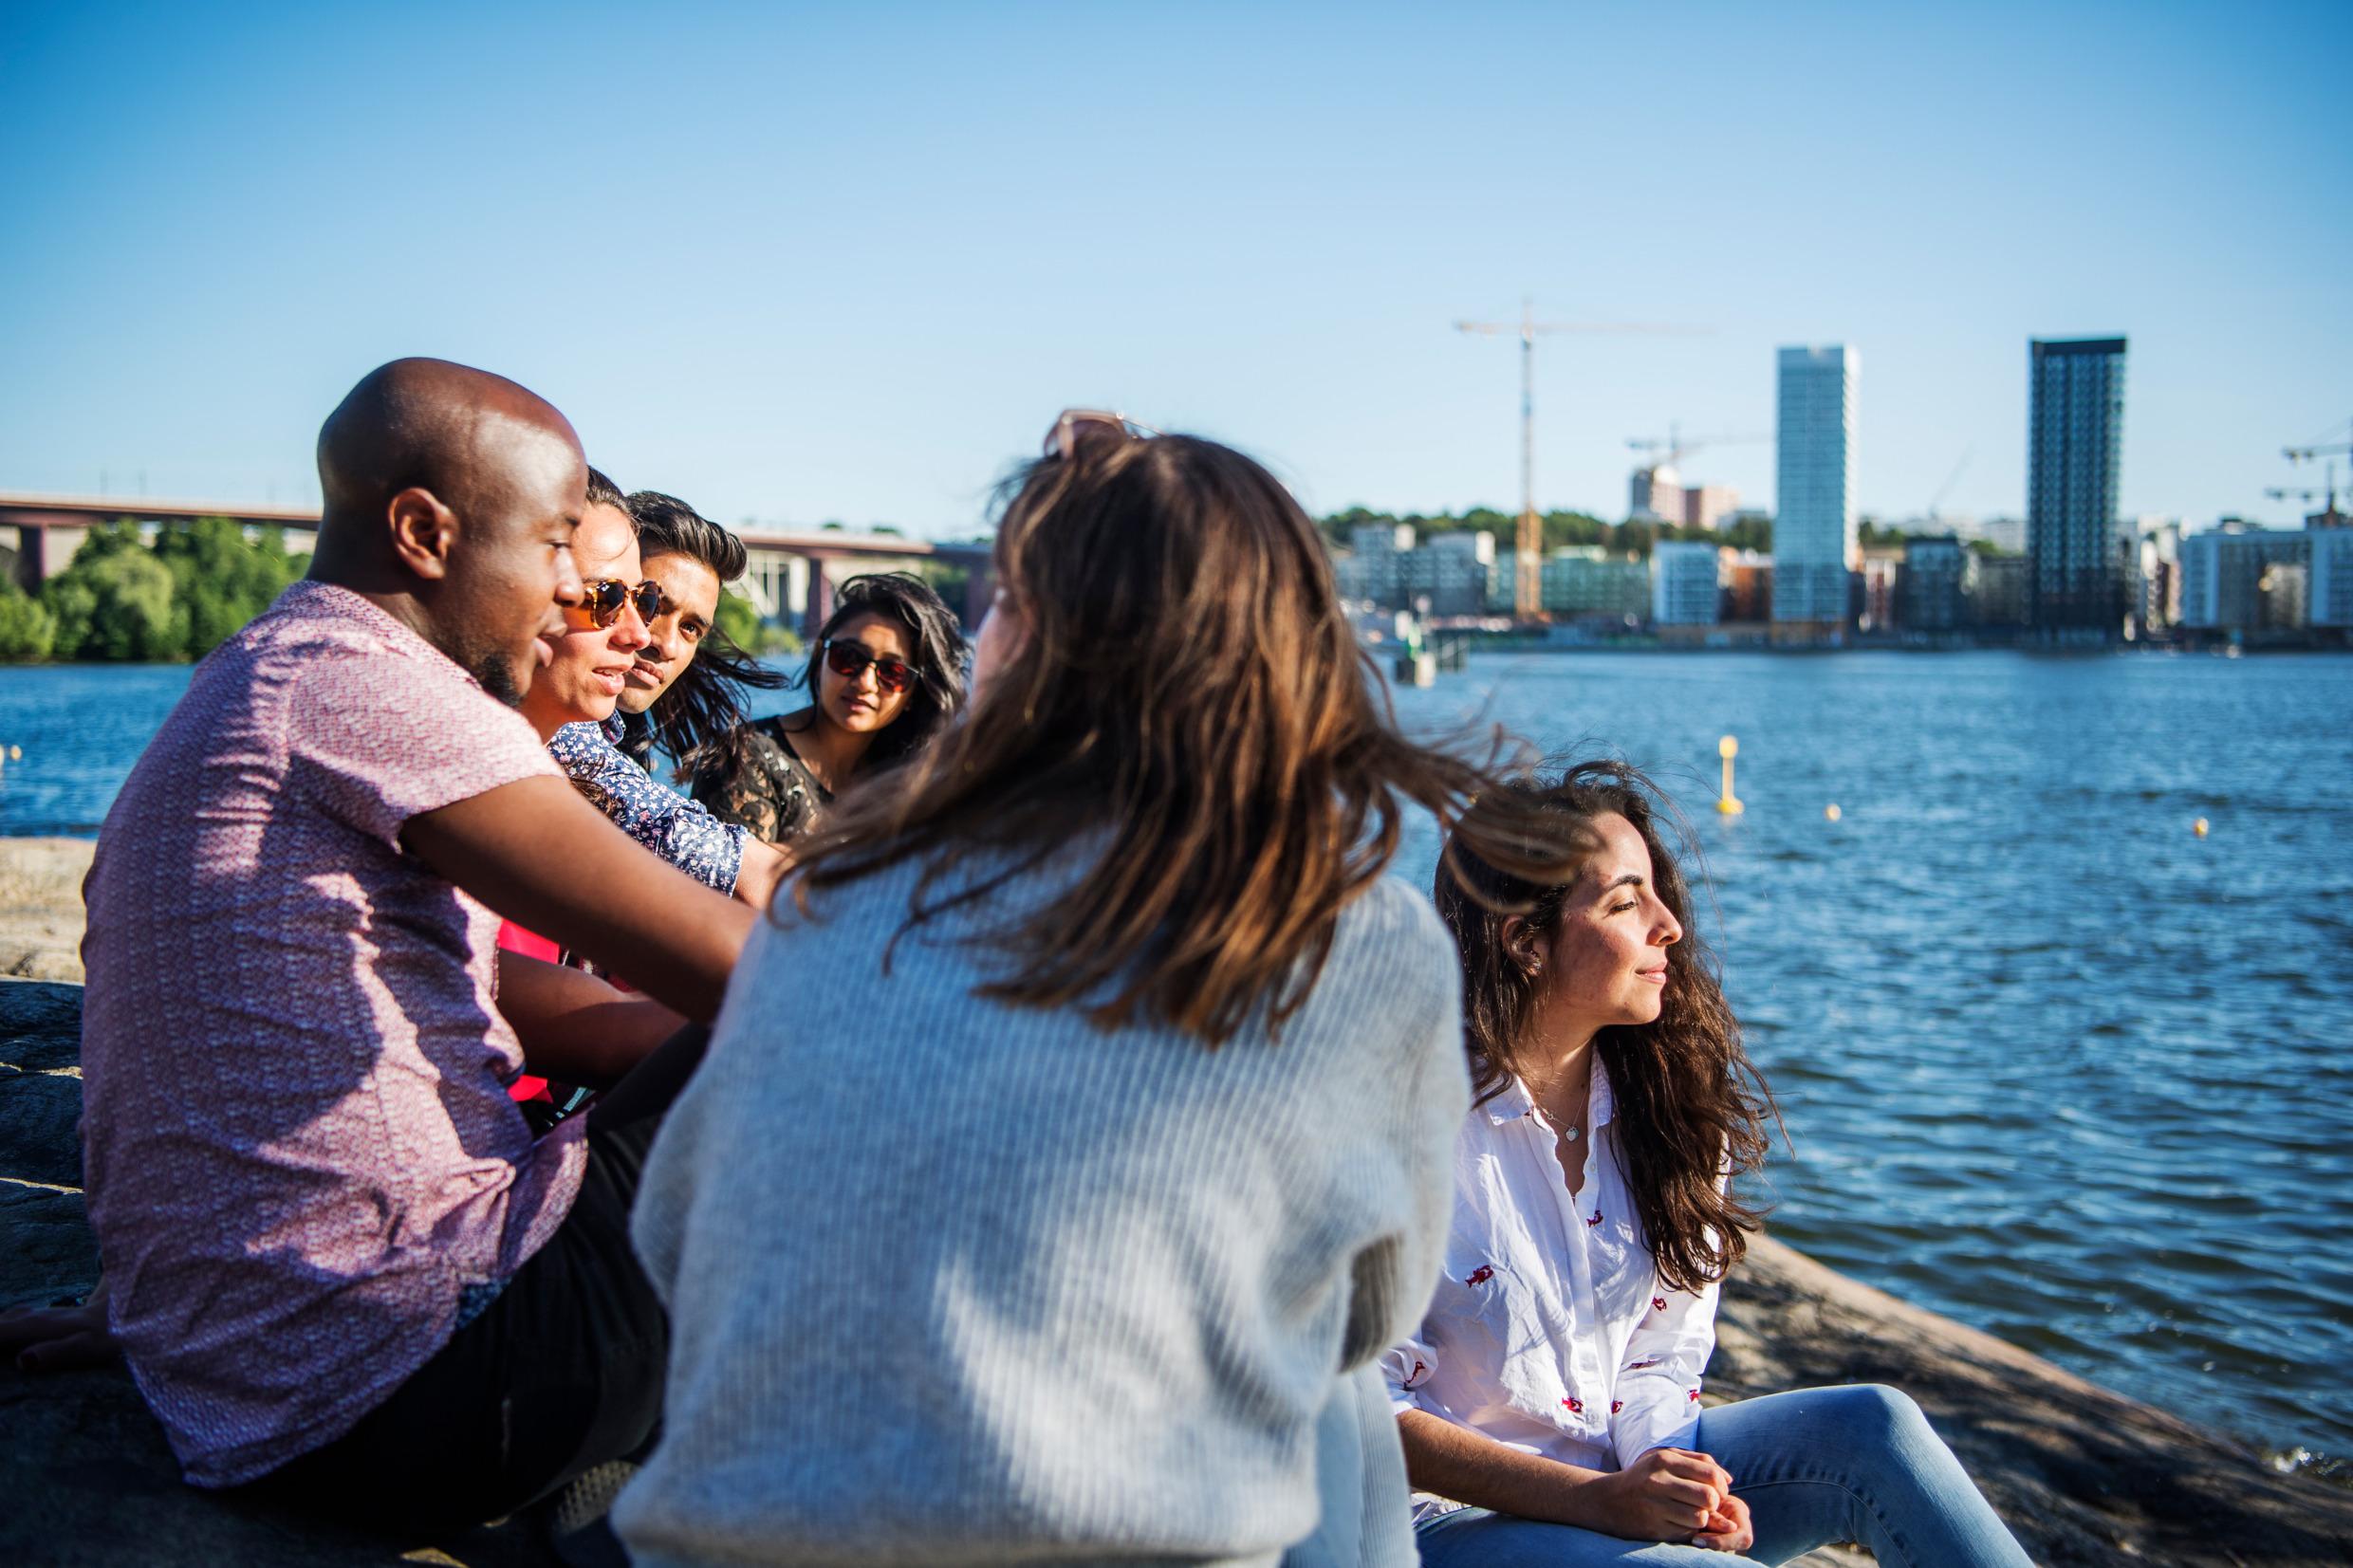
(2321, 448)
(1935, 513)
(1671, 452)
(2328, 494)
(1528, 574)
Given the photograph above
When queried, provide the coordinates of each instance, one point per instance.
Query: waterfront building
(1879, 580)
(1449, 574)
(1654, 494)
(2330, 580)
(1685, 590)
(2238, 578)
(2005, 534)
(1747, 580)
(1937, 580)
(2155, 590)
(1370, 569)
(1709, 506)
(1814, 528)
(1454, 572)
(1580, 580)
(2077, 585)
(1999, 601)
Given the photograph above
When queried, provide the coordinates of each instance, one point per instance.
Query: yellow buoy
(2198, 827)
(17, 753)
(1729, 804)
(1831, 811)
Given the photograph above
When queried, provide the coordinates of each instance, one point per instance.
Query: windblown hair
(1689, 1103)
(937, 643)
(1188, 709)
(604, 492)
(705, 704)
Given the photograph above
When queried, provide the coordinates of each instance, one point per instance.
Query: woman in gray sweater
(1077, 1133)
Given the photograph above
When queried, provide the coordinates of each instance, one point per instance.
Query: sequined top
(771, 791)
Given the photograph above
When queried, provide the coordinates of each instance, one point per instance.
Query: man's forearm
(575, 1028)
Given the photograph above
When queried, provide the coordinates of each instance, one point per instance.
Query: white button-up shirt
(1551, 1333)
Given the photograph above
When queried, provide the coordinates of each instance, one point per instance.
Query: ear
(1520, 941)
(424, 532)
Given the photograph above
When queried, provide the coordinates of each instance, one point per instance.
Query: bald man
(333, 1254)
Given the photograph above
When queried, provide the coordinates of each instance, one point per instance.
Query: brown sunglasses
(602, 600)
(1074, 425)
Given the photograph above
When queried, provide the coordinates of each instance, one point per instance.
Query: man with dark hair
(334, 1256)
(594, 664)
(686, 689)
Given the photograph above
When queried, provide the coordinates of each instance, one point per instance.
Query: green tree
(114, 601)
(220, 580)
(28, 631)
(131, 613)
(741, 621)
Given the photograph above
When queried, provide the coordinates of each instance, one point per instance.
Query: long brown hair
(1688, 1100)
(1190, 709)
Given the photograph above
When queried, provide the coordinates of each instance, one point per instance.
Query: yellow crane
(1527, 558)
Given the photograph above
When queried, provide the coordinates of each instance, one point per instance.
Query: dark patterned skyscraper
(2079, 570)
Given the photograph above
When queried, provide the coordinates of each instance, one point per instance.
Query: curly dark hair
(1690, 1104)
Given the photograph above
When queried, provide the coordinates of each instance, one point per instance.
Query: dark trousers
(561, 1373)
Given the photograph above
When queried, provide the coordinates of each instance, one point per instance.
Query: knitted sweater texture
(953, 1282)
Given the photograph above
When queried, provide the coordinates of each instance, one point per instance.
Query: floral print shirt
(674, 827)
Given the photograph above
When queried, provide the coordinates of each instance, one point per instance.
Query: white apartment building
(1684, 585)
(1814, 536)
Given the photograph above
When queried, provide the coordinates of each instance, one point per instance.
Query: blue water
(2050, 1063)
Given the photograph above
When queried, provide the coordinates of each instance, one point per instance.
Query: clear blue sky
(847, 262)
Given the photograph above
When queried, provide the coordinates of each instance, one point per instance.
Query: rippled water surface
(2052, 1064)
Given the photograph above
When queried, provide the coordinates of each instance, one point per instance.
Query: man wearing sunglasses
(572, 704)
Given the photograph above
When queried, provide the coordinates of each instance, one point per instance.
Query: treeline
(1631, 538)
(122, 600)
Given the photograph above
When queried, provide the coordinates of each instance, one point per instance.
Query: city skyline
(805, 267)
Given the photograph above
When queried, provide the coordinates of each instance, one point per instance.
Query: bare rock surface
(86, 1475)
(2082, 1475)
(41, 907)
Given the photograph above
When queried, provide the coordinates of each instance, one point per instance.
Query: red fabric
(513, 938)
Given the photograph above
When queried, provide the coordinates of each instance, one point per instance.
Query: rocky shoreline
(41, 907)
(2082, 1475)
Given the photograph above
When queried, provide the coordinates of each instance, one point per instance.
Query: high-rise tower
(2079, 571)
(1814, 526)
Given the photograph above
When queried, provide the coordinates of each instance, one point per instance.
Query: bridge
(791, 581)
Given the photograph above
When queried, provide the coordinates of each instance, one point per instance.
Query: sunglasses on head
(1074, 425)
(602, 600)
(846, 658)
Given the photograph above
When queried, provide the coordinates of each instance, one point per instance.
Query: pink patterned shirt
(302, 1165)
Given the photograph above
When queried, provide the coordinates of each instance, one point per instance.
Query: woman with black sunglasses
(885, 676)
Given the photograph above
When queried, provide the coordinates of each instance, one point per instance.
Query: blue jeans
(1814, 1466)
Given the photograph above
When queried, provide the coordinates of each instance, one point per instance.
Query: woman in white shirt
(1552, 1394)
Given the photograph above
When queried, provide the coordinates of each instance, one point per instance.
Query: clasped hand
(1674, 1494)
